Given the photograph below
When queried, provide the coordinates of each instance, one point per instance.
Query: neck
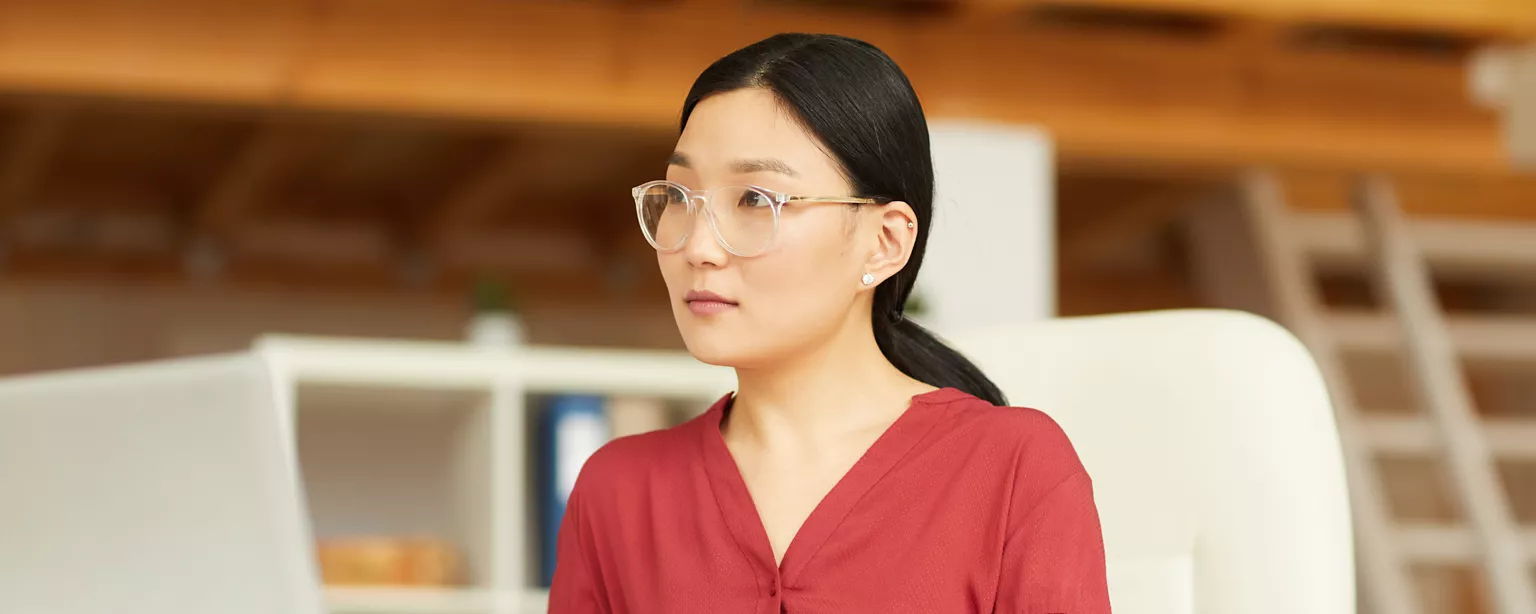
(843, 386)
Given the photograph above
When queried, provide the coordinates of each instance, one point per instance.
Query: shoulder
(634, 464)
(1032, 444)
(626, 458)
(1032, 433)
(1037, 458)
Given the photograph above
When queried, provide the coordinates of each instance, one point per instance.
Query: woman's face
(806, 288)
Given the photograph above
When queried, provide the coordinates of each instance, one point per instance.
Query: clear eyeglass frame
(702, 199)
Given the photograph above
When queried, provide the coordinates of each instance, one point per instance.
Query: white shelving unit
(433, 438)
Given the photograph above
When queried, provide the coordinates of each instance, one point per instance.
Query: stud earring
(868, 278)
(911, 225)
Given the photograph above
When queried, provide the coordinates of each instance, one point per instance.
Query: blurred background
(184, 177)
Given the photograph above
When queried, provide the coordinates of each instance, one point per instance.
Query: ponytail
(923, 357)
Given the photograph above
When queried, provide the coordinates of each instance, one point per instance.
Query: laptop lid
(159, 488)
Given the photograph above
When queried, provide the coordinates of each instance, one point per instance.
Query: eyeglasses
(745, 219)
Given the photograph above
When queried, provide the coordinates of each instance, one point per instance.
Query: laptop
(159, 488)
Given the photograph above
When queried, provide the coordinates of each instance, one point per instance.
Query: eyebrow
(758, 165)
(754, 165)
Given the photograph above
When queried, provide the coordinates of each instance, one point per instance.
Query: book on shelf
(572, 428)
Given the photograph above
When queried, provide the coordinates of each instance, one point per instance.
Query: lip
(704, 302)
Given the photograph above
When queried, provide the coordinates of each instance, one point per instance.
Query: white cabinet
(436, 439)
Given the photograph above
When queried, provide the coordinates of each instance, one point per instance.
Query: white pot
(497, 329)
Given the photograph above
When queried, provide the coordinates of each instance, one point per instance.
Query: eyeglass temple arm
(836, 200)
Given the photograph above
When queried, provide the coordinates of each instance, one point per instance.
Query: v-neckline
(740, 511)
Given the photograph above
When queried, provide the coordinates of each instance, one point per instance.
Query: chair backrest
(1212, 445)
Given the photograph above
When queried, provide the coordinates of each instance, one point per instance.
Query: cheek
(796, 295)
(805, 283)
(674, 269)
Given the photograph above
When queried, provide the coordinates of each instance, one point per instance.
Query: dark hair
(861, 107)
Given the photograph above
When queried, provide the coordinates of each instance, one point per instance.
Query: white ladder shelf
(1291, 248)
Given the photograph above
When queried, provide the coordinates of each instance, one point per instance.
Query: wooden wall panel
(199, 49)
(1368, 86)
(1229, 98)
(471, 58)
(1481, 18)
(664, 47)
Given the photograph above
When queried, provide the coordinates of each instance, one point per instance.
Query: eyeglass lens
(742, 217)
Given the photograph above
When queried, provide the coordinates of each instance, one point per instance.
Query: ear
(896, 233)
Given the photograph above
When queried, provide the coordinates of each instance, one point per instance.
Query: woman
(861, 466)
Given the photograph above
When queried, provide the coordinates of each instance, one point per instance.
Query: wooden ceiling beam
(26, 157)
(213, 50)
(59, 266)
(1115, 95)
(237, 191)
(1499, 19)
(317, 252)
(113, 233)
(518, 251)
(472, 202)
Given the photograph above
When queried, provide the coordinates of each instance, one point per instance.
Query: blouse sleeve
(575, 588)
(1053, 560)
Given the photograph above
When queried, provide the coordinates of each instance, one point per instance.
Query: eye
(663, 196)
(751, 199)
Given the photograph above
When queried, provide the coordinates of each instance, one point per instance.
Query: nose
(701, 248)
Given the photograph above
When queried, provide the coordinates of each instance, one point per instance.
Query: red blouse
(960, 506)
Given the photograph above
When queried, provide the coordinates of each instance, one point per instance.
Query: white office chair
(1212, 446)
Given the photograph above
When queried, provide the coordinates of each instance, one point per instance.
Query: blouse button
(773, 591)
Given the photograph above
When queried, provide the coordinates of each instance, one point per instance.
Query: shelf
(386, 363)
(536, 602)
(434, 439)
(408, 600)
(623, 372)
(1503, 251)
(1486, 339)
(411, 600)
(400, 463)
(443, 365)
(349, 398)
(1507, 438)
(1448, 544)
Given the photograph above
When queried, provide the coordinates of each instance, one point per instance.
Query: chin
(714, 352)
(724, 348)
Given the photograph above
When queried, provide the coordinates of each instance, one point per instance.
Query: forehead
(750, 124)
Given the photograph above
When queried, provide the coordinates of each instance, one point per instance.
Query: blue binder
(572, 428)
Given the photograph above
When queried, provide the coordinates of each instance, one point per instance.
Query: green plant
(492, 296)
